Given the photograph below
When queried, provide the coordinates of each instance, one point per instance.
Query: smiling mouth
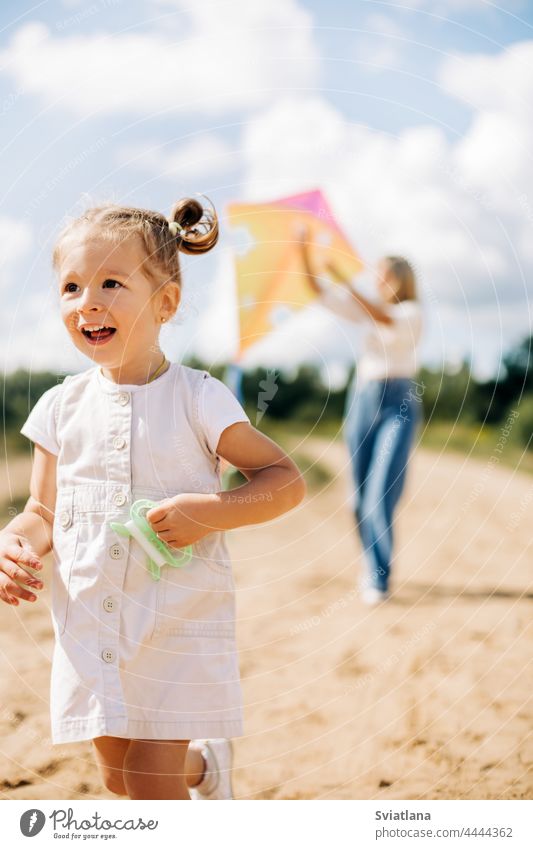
(96, 336)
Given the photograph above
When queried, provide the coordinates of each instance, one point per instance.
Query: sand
(426, 696)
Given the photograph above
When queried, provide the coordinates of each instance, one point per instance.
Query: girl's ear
(168, 300)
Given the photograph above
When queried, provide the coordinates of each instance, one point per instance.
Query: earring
(163, 320)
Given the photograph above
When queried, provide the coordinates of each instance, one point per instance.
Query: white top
(135, 657)
(388, 350)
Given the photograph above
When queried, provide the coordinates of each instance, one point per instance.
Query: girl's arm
(28, 537)
(274, 486)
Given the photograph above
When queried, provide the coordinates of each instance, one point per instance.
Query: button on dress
(134, 657)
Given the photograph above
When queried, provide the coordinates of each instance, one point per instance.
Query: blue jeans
(380, 423)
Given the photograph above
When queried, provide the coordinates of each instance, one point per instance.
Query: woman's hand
(340, 278)
(302, 235)
(178, 520)
(15, 554)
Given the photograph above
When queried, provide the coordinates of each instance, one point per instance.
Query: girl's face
(386, 282)
(102, 284)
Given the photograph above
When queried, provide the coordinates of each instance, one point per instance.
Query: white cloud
(216, 336)
(500, 82)
(381, 45)
(495, 155)
(32, 336)
(15, 242)
(29, 328)
(198, 158)
(221, 57)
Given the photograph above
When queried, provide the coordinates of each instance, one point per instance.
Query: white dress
(135, 657)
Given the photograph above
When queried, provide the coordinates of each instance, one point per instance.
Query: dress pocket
(195, 599)
(212, 550)
(65, 547)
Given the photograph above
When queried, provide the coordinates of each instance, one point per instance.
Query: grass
(9, 508)
(479, 442)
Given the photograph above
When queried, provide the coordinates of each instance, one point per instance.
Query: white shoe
(372, 596)
(216, 782)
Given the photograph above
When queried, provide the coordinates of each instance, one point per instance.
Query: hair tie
(176, 228)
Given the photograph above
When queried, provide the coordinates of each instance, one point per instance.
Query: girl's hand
(15, 554)
(177, 521)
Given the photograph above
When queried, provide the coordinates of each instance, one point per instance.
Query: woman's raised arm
(302, 236)
(342, 306)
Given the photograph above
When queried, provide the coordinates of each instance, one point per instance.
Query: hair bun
(196, 226)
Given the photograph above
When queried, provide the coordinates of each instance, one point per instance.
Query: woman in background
(383, 405)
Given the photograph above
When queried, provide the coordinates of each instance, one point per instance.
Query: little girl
(141, 667)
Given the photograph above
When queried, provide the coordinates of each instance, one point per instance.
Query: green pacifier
(159, 553)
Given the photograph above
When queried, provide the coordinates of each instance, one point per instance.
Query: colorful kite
(271, 284)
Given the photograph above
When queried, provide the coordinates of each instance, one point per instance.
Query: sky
(414, 118)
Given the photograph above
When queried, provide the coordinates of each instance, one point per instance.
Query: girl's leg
(109, 754)
(161, 769)
(194, 766)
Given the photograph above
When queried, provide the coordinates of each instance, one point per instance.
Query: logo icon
(32, 822)
(269, 387)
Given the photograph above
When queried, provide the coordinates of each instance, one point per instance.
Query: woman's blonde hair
(197, 232)
(405, 275)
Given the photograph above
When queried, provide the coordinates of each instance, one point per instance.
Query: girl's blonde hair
(405, 275)
(196, 234)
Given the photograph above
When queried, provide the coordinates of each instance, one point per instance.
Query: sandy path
(425, 697)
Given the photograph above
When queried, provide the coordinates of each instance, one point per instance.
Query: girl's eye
(67, 285)
(112, 281)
